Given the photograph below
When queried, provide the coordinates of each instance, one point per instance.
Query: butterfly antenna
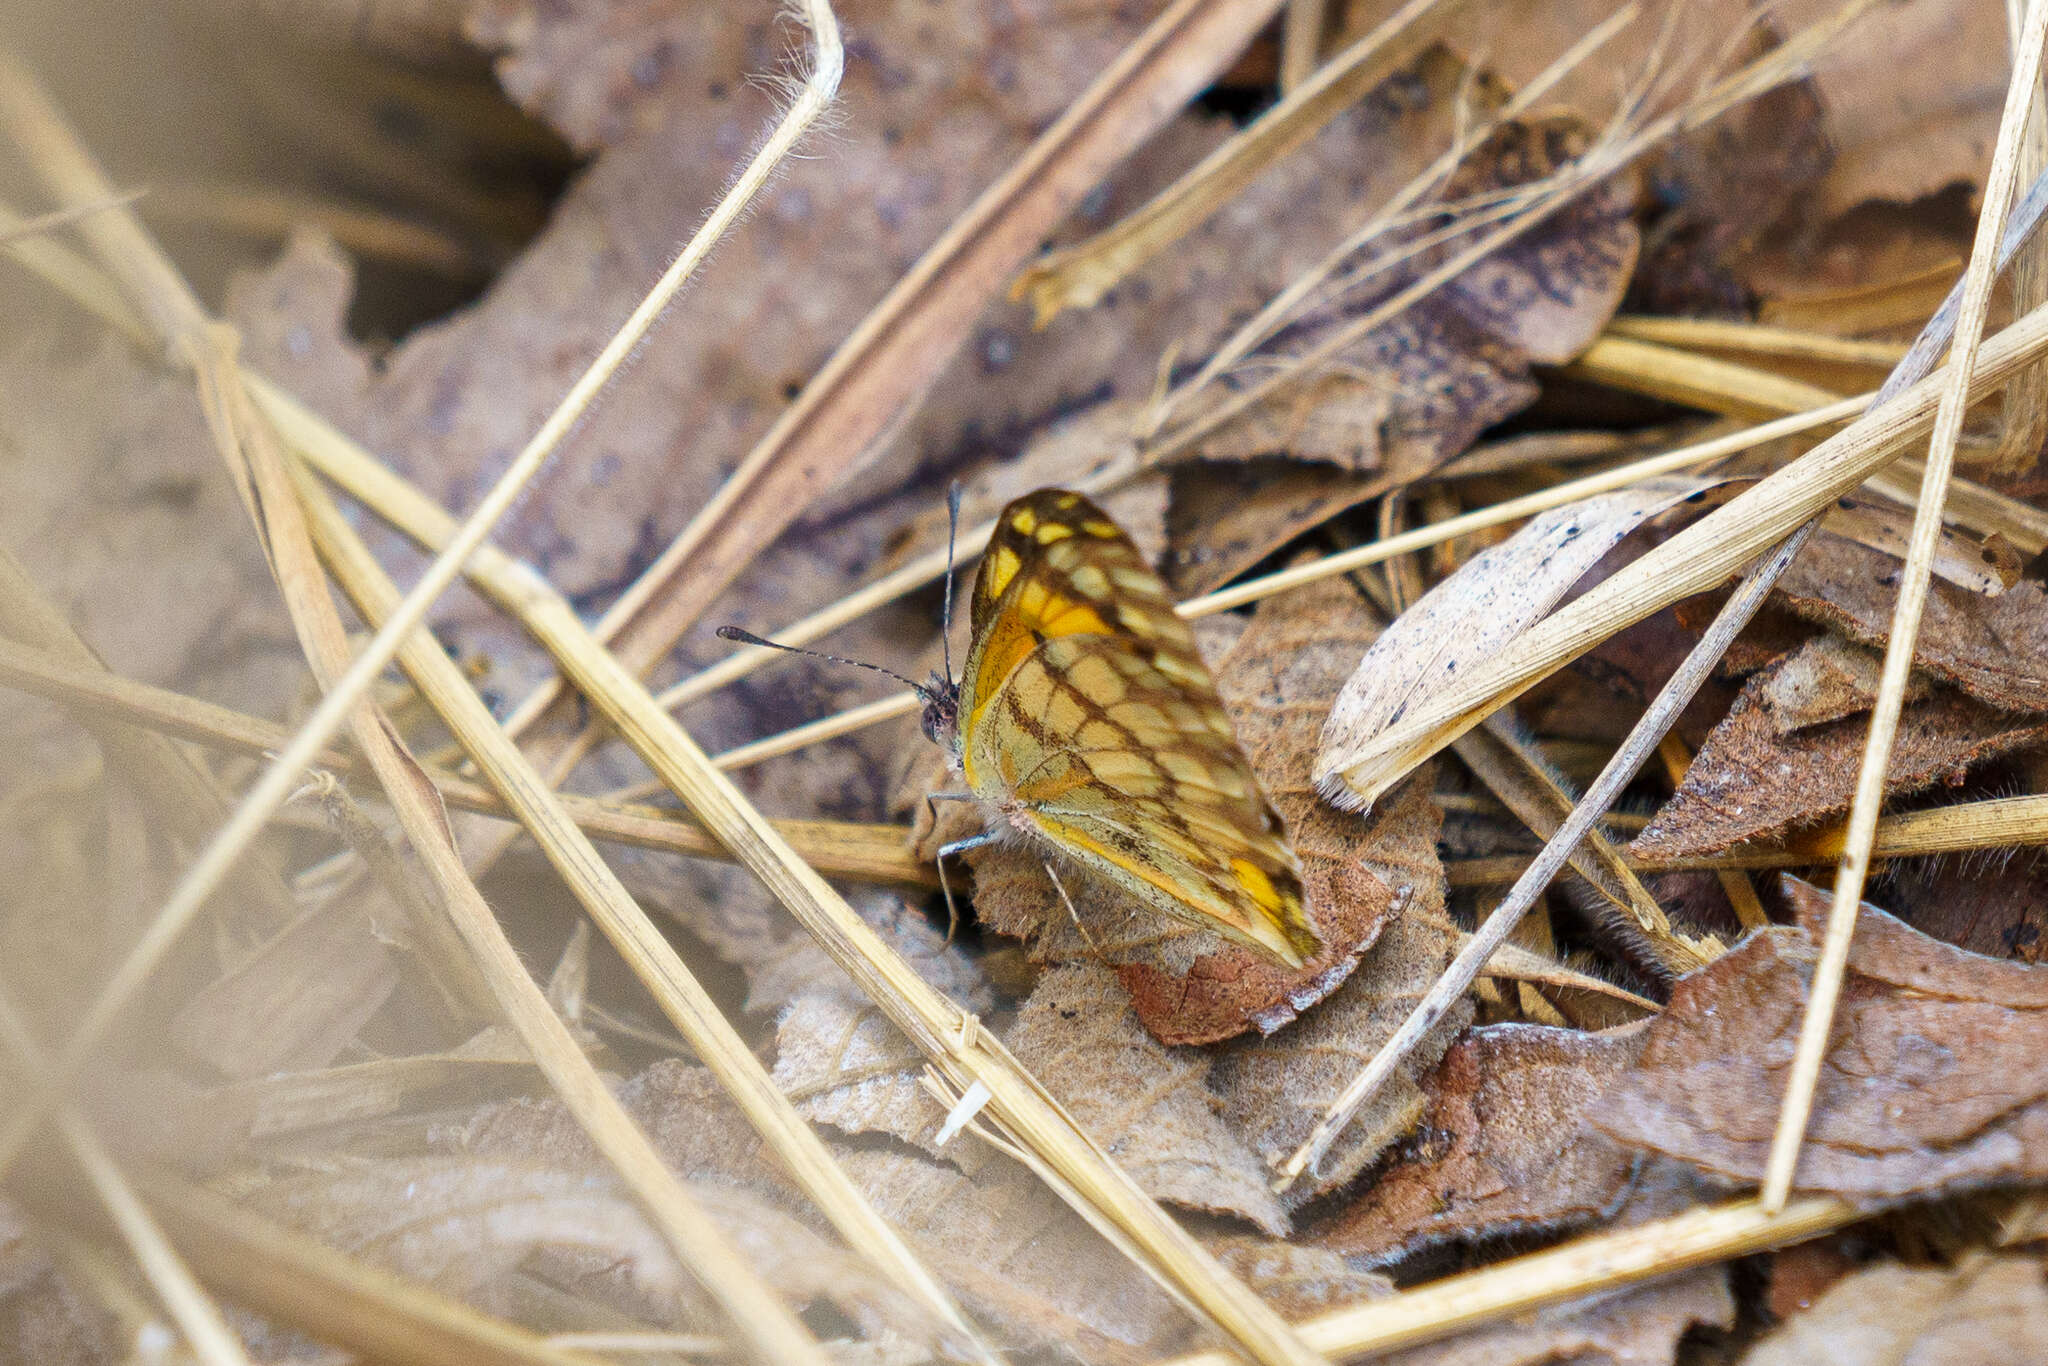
(749, 638)
(946, 609)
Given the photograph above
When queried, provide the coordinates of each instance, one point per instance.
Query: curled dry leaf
(1985, 1311)
(1191, 986)
(1471, 616)
(1502, 1146)
(1752, 781)
(1825, 680)
(1147, 1105)
(1934, 1080)
(1993, 649)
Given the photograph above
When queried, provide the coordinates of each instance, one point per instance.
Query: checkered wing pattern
(1088, 718)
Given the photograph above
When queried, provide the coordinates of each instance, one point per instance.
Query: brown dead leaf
(1986, 567)
(1934, 1080)
(1474, 614)
(1023, 1264)
(1094, 448)
(1147, 1105)
(698, 1130)
(128, 524)
(1994, 649)
(1191, 986)
(1418, 390)
(1986, 1311)
(844, 1064)
(1751, 782)
(1501, 1148)
(299, 1000)
(463, 1225)
(1275, 1089)
(1223, 519)
(1298, 1279)
(1825, 680)
(1927, 123)
(1994, 903)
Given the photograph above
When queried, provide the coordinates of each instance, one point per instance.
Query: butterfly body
(1085, 720)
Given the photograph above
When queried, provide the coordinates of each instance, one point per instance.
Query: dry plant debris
(1278, 375)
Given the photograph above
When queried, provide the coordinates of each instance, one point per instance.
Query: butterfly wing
(1089, 717)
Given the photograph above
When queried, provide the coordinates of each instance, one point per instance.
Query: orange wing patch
(1088, 718)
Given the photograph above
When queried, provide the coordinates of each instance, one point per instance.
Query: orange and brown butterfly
(1086, 720)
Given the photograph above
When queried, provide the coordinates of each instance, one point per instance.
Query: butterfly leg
(939, 861)
(1073, 914)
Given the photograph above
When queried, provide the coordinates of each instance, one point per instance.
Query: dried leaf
(1988, 1311)
(1146, 1104)
(1275, 1089)
(696, 1127)
(1925, 124)
(844, 1064)
(1992, 649)
(1502, 1147)
(1987, 567)
(1298, 1279)
(1933, 1081)
(298, 1001)
(463, 1225)
(1094, 448)
(1473, 615)
(1022, 1262)
(1223, 519)
(1418, 390)
(1825, 680)
(1191, 986)
(1749, 781)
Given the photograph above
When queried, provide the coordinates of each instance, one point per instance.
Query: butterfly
(1086, 722)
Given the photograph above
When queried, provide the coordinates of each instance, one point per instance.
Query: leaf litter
(309, 1061)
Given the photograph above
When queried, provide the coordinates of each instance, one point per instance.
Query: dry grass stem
(297, 1281)
(1786, 62)
(646, 952)
(1078, 276)
(860, 852)
(1301, 41)
(1696, 560)
(212, 1342)
(1276, 311)
(1854, 868)
(168, 303)
(1585, 1266)
(1758, 339)
(901, 346)
(249, 446)
(928, 568)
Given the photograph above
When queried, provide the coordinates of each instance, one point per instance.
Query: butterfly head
(941, 717)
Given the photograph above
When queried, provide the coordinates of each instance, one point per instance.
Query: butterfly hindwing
(1088, 717)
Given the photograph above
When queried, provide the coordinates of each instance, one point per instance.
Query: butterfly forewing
(1088, 718)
